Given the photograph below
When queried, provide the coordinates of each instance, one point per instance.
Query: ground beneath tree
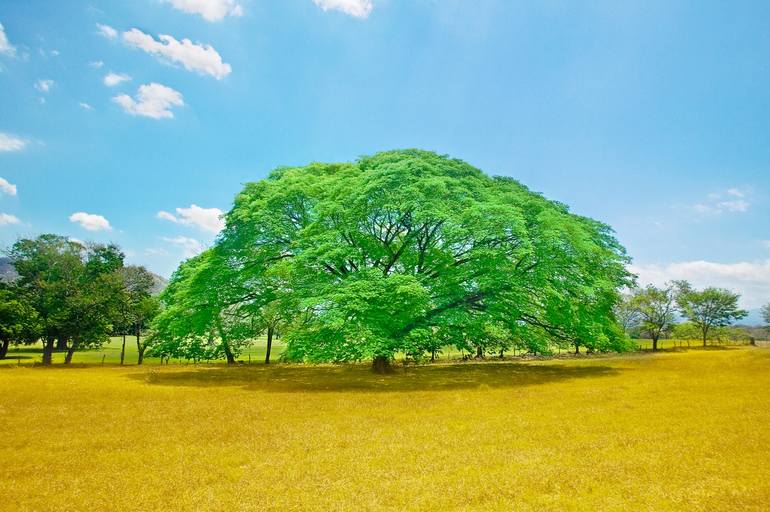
(671, 431)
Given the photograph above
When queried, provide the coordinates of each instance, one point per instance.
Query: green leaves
(400, 252)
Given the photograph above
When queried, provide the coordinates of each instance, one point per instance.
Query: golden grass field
(684, 430)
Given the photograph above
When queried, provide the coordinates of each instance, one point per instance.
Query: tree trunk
(502, 354)
(381, 365)
(577, 349)
(479, 353)
(705, 335)
(432, 355)
(228, 353)
(61, 343)
(4, 348)
(140, 348)
(269, 344)
(123, 350)
(48, 350)
(654, 344)
(70, 352)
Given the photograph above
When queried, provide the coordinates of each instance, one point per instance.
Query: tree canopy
(709, 308)
(400, 252)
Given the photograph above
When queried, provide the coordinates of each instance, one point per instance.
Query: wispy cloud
(732, 200)
(201, 58)
(6, 48)
(90, 221)
(210, 10)
(10, 142)
(7, 188)
(356, 8)
(152, 100)
(44, 85)
(112, 79)
(85, 106)
(107, 31)
(6, 219)
(206, 219)
(190, 246)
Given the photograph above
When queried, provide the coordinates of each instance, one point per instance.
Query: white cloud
(733, 200)
(11, 142)
(152, 100)
(357, 8)
(107, 31)
(96, 64)
(6, 219)
(211, 10)
(205, 219)
(750, 279)
(6, 48)
(90, 221)
(190, 246)
(44, 85)
(85, 106)
(154, 251)
(7, 188)
(203, 59)
(112, 79)
(55, 53)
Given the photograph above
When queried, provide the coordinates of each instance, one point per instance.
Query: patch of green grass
(684, 430)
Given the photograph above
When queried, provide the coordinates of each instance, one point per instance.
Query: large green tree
(709, 308)
(385, 254)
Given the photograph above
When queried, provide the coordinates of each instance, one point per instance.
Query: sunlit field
(684, 430)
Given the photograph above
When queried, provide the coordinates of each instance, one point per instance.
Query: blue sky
(137, 122)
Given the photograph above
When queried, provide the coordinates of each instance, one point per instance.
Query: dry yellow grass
(670, 431)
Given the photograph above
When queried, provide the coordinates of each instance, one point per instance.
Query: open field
(672, 431)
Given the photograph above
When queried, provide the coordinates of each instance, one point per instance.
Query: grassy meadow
(679, 430)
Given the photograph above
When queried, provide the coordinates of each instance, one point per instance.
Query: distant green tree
(656, 308)
(19, 322)
(137, 307)
(709, 308)
(627, 314)
(386, 254)
(766, 314)
(74, 289)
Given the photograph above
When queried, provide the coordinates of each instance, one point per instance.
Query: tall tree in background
(766, 314)
(382, 254)
(137, 307)
(709, 308)
(656, 308)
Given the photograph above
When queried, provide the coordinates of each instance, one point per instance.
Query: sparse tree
(709, 308)
(656, 308)
(766, 314)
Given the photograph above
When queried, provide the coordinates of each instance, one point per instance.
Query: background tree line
(73, 296)
(708, 314)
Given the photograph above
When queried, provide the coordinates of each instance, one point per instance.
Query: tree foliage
(73, 288)
(708, 308)
(400, 252)
(656, 308)
(19, 322)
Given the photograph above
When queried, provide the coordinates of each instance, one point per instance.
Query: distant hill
(8, 274)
